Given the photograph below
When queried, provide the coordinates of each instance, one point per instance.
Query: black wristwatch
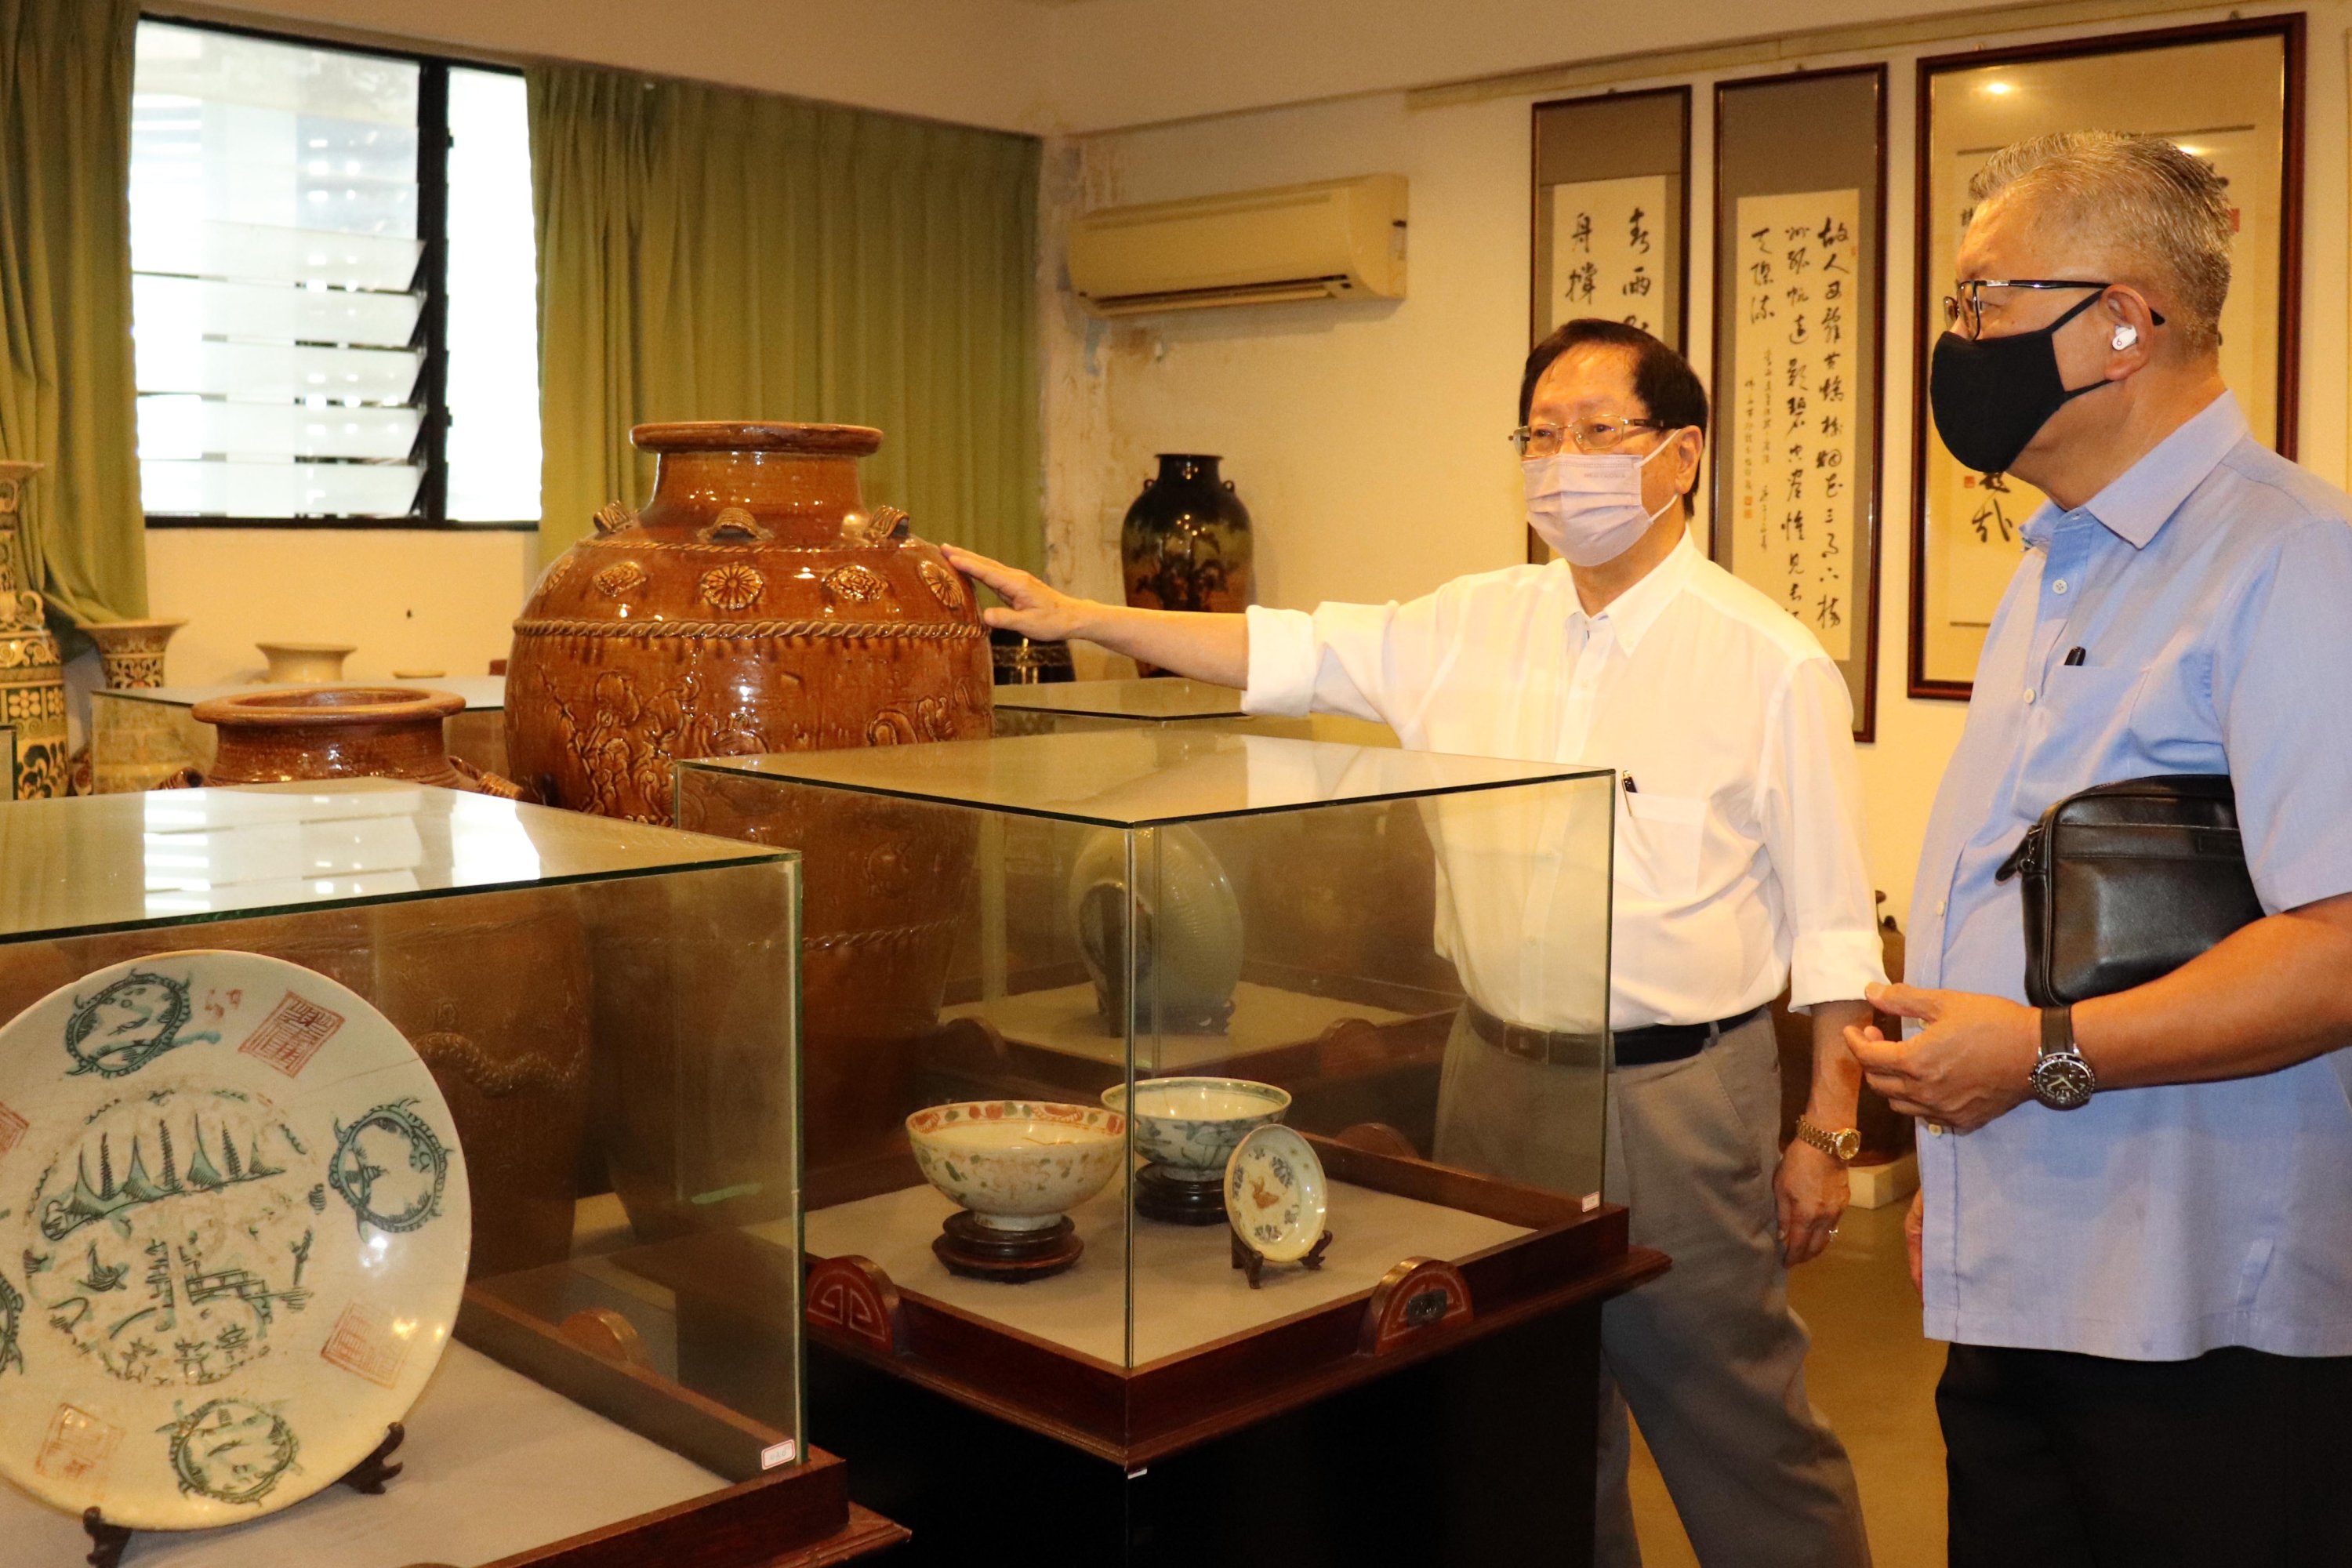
(2062, 1080)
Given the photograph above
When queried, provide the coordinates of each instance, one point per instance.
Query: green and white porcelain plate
(233, 1229)
(1275, 1195)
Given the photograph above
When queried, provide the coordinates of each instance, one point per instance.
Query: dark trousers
(2060, 1460)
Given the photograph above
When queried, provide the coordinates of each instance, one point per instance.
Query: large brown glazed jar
(755, 605)
(758, 604)
(280, 734)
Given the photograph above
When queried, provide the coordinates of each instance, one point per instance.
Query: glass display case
(141, 737)
(1052, 982)
(1092, 707)
(608, 1014)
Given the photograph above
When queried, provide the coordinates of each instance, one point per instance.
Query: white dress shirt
(1738, 856)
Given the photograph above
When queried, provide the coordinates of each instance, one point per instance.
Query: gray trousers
(1709, 1356)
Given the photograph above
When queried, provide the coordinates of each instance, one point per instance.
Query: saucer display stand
(1277, 1198)
(370, 1476)
(970, 1246)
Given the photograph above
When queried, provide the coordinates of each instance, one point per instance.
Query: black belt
(1635, 1048)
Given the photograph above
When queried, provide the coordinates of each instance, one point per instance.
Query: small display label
(775, 1454)
(1591, 1201)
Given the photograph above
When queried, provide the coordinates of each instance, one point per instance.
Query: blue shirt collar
(2137, 501)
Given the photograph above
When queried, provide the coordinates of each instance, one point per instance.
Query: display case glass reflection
(1201, 934)
(1088, 707)
(608, 1012)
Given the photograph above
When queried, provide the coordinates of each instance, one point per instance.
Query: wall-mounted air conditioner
(1335, 239)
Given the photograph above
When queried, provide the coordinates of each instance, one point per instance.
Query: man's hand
(1973, 1061)
(1914, 1241)
(1810, 1190)
(1031, 608)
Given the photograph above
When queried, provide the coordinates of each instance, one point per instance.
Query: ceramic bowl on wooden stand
(1016, 1166)
(1188, 1127)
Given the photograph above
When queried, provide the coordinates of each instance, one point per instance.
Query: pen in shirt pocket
(2074, 656)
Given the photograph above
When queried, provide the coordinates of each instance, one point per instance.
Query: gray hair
(2160, 208)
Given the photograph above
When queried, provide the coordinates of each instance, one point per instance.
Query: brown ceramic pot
(278, 735)
(758, 604)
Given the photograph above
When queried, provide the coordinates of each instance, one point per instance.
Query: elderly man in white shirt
(1739, 868)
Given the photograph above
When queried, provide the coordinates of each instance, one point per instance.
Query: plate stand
(980, 1251)
(1162, 1193)
(1252, 1262)
(106, 1540)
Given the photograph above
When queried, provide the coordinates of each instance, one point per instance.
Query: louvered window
(333, 285)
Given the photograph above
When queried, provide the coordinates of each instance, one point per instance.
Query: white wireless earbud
(2126, 336)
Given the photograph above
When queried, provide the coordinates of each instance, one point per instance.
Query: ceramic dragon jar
(757, 604)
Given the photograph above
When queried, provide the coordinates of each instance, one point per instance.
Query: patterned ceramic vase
(757, 604)
(1186, 545)
(134, 745)
(32, 676)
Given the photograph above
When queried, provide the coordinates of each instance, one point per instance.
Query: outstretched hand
(1031, 608)
(1973, 1062)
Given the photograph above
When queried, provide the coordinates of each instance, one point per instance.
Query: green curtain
(67, 396)
(709, 254)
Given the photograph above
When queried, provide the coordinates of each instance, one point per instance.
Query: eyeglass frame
(1974, 308)
(1524, 436)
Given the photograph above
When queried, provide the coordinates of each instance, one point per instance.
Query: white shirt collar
(1633, 611)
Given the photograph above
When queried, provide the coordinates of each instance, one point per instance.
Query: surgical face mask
(1587, 505)
(1989, 395)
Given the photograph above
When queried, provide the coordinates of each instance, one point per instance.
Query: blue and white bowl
(1190, 1126)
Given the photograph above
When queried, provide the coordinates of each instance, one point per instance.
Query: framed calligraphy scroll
(1800, 269)
(1612, 210)
(2228, 92)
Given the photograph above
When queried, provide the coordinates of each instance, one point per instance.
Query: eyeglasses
(1969, 306)
(1587, 435)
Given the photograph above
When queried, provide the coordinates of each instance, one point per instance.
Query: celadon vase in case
(32, 676)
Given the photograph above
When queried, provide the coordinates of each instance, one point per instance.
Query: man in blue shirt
(2135, 1222)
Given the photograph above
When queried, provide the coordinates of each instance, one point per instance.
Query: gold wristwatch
(1841, 1145)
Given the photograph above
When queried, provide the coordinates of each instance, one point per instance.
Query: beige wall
(406, 599)
(1368, 437)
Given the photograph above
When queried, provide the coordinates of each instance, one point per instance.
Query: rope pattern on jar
(927, 630)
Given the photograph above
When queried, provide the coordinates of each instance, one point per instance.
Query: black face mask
(1990, 394)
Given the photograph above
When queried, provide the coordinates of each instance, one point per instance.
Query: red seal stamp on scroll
(292, 1034)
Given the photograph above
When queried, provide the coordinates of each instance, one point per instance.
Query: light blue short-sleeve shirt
(2210, 588)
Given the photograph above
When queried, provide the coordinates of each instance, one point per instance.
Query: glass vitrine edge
(365, 900)
(741, 770)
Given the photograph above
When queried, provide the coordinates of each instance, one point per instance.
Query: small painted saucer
(1276, 1194)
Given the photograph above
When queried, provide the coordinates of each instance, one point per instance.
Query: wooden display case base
(1481, 1456)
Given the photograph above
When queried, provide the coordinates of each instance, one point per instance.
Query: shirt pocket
(1658, 842)
(2077, 735)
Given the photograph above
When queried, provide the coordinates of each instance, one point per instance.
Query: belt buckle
(1526, 1044)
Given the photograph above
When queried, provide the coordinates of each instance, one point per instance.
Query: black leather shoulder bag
(2128, 882)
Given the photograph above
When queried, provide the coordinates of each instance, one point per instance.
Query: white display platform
(1187, 1291)
(496, 1465)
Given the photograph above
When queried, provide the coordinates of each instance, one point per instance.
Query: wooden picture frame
(1620, 161)
(1797, 463)
(2231, 91)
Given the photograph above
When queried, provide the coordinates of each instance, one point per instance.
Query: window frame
(430, 513)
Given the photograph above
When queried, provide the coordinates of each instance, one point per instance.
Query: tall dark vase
(1186, 541)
